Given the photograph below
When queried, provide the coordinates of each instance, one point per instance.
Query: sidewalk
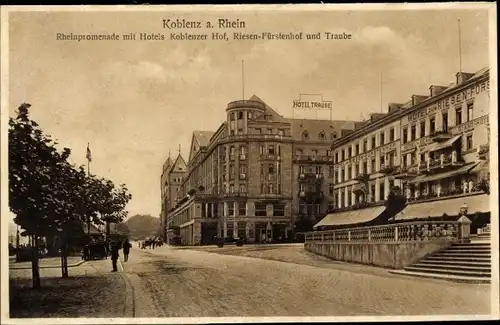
(90, 291)
(49, 262)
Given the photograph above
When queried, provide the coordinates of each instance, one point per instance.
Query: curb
(48, 267)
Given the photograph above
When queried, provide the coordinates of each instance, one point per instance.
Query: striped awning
(475, 203)
(434, 177)
(350, 217)
(441, 145)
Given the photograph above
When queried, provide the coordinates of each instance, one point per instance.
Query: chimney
(463, 77)
(435, 90)
(417, 99)
(394, 107)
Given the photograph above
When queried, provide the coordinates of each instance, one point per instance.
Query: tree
(396, 200)
(122, 228)
(49, 196)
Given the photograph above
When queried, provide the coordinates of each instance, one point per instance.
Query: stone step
(454, 267)
(448, 271)
(479, 263)
(468, 250)
(446, 277)
(462, 254)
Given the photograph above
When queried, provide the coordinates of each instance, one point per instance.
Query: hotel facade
(260, 174)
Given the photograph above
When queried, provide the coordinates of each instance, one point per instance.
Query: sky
(136, 101)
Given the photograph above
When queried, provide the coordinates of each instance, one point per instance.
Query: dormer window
(305, 135)
(322, 135)
(334, 135)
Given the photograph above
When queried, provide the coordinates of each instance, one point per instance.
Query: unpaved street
(172, 282)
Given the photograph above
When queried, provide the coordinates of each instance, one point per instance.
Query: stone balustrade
(399, 232)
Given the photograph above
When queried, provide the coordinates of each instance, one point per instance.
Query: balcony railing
(445, 193)
(311, 195)
(311, 177)
(313, 158)
(387, 169)
(269, 156)
(441, 135)
(400, 232)
(362, 178)
(356, 206)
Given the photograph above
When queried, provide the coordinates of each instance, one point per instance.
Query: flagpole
(459, 47)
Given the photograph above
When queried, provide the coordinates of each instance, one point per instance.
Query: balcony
(387, 169)
(444, 161)
(441, 135)
(312, 196)
(313, 159)
(483, 152)
(269, 156)
(310, 177)
(235, 194)
(406, 172)
(362, 178)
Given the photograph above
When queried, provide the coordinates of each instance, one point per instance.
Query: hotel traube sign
(312, 102)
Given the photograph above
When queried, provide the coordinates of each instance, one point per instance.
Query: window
(305, 135)
(231, 208)
(231, 171)
(270, 188)
(341, 173)
(271, 169)
(249, 115)
(330, 189)
(413, 159)
(365, 168)
(243, 169)
(231, 188)
(405, 161)
(382, 192)
(260, 209)
(262, 189)
(240, 130)
(302, 169)
(262, 169)
(318, 170)
(279, 210)
(242, 209)
(445, 122)
(357, 149)
(470, 110)
(243, 150)
(356, 170)
(350, 152)
(331, 171)
(382, 138)
(299, 152)
(243, 188)
(322, 135)
(278, 168)
(432, 125)
(349, 176)
(422, 129)
(373, 165)
(392, 133)
(278, 189)
(233, 116)
(365, 145)
(458, 115)
(262, 149)
(334, 135)
(413, 133)
(469, 142)
(328, 153)
(373, 143)
(232, 132)
(405, 135)
(301, 188)
(343, 155)
(240, 115)
(382, 160)
(271, 149)
(336, 157)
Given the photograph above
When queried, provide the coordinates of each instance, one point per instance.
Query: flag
(89, 155)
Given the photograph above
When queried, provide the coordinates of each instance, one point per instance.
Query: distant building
(254, 177)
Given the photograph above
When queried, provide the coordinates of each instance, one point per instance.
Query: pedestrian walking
(126, 249)
(115, 249)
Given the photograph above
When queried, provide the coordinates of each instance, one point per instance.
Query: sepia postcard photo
(249, 163)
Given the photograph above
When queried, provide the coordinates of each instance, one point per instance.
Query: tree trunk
(35, 263)
(108, 229)
(64, 259)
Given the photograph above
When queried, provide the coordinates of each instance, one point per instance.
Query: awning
(441, 145)
(434, 177)
(475, 203)
(350, 217)
(481, 167)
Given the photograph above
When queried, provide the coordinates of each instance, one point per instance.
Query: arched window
(322, 135)
(334, 135)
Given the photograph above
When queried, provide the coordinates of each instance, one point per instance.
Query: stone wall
(390, 255)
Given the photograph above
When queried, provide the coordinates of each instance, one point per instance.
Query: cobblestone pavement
(90, 291)
(169, 282)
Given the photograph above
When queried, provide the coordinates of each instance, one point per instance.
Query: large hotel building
(264, 177)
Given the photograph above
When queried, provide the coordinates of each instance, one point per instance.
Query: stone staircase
(468, 262)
